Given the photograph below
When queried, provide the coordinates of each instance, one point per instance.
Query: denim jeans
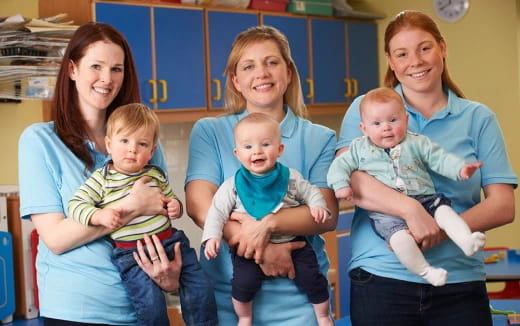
(386, 225)
(196, 291)
(381, 301)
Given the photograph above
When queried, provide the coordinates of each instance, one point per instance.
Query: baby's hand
(344, 193)
(320, 214)
(467, 170)
(211, 248)
(174, 208)
(107, 217)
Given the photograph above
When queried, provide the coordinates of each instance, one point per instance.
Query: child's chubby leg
(322, 314)
(409, 254)
(244, 311)
(458, 231)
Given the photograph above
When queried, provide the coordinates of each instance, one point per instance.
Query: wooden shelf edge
(315, 110)
(173, 116)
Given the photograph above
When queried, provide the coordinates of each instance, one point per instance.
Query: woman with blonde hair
(262, 77)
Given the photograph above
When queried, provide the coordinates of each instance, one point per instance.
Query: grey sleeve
(223, 203)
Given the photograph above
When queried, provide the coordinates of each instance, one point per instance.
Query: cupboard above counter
(181, 52)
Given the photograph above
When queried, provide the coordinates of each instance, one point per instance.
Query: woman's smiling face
(417, 59)
(98, 75)
(262, 76)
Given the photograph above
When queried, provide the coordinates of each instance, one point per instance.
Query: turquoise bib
(261, 194)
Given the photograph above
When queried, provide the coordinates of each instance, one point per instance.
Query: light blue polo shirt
(82, 284)
(465, 128)
(309, 148)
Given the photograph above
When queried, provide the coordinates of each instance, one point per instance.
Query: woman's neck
(426, 103)
(96, 132)
(277, 113)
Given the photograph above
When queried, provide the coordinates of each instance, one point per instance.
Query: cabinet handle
(356, 88)
(219, 93)
(311, 88)
(154, 91)
(164, 89)
(349, 87)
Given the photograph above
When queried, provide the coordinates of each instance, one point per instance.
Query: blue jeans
(386, 225)
(381, 301)
(196, 290)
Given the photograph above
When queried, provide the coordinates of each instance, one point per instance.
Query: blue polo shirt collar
(452, 107)
(288, 124)
(99, 158)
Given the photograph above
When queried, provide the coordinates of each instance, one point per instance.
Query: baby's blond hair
(258, 118)
(131, 117)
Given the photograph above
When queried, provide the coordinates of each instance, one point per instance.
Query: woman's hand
(277, 260)
(422, 226)
(157, 266)
(144, 200)
(253, 236)
(368, 193)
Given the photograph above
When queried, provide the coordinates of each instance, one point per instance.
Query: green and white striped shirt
(107, 186)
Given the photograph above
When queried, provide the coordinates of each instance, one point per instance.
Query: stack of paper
(30, 55)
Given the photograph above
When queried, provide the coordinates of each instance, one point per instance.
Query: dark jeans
(248, 276)
(196, 290)
(59, 322)
(381, 301)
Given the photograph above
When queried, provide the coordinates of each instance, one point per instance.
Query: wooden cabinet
(296, 30)
(344, 256)
(223, 27)
(329, 60)
(336, 59)
(362, 57)
(181, 52)
(345, 63)
(168, 46)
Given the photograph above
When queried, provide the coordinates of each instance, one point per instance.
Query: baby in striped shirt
(132, 133)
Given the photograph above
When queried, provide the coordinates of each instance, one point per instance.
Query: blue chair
(7, 299)
(344, 256)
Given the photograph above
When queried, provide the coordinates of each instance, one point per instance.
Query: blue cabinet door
(329, 61)
(180, 65)
(134, 23)
(295, 28)
(223, 27)
(363, 62)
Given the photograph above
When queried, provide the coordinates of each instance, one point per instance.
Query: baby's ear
(154, 148)
(107, 144)
(363, 128)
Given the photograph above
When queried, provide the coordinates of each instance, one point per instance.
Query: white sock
(458, 231)
(411, 257)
